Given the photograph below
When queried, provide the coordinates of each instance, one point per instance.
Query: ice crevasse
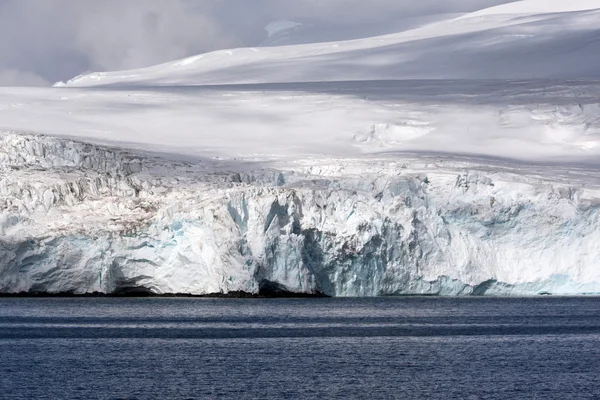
(81, 218)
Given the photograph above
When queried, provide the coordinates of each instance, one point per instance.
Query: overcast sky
(44, 41)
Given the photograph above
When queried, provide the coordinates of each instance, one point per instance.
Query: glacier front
(80, 218)
(456, 155)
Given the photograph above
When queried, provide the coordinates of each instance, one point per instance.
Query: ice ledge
(82, 218)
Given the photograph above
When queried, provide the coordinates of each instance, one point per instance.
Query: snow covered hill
(286, 33)
(320, 167)
(530, 39)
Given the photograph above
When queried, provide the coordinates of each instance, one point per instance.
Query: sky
(44, 41)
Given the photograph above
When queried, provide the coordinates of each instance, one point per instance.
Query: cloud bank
(49, 40)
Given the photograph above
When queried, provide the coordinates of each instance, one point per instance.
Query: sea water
(378, 348)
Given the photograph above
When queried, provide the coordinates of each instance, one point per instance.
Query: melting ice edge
(83, 218)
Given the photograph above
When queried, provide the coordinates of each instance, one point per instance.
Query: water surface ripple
(387, 348)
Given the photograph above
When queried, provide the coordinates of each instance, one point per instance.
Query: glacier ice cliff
(77, 217)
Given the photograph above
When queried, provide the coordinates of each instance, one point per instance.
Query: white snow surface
(456, 158)
(539, 7)
(528, 39)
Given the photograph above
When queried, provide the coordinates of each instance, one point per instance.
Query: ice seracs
(86, 218)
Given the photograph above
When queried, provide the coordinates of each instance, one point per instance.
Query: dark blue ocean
(388, 348)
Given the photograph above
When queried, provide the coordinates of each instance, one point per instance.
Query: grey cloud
(44, 41)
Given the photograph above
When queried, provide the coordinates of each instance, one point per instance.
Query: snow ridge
(529, 39)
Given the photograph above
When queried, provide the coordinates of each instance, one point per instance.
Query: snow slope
(538, 7)
(528, 39)
(286, 33)
(349, 179)
(529, 120)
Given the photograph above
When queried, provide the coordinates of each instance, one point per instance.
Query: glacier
(456, 155)
(80, 218)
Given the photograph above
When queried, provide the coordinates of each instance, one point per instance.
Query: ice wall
(81, 218)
